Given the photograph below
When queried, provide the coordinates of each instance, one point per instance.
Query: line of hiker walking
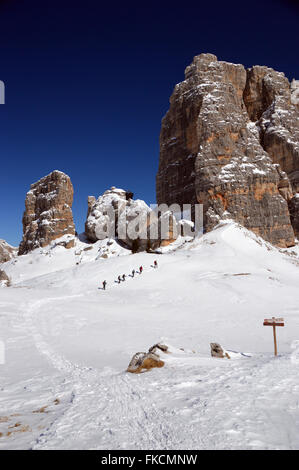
(122, 277)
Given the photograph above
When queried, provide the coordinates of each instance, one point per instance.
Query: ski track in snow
(105, 399)
(195, 401)
(119, 411)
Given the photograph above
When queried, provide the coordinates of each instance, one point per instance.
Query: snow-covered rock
(6, 251)
(144, 361)
(117, 215)
(295, 91)
(218, 351)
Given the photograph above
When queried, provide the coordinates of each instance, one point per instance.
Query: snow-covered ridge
(68, 344)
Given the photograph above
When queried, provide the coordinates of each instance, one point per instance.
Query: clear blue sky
(87, 84)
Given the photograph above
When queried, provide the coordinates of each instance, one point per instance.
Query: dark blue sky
(87, 84)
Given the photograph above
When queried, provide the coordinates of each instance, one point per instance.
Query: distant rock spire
(48, 214)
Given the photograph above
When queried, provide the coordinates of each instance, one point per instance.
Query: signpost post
(274, 322)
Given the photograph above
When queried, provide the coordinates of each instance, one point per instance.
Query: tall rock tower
(225, 143)
(48, 212)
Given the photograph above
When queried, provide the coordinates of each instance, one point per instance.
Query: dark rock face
(214, 148)
(6, 251)
(48, 214)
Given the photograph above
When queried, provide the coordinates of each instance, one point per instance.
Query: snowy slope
(68, 344)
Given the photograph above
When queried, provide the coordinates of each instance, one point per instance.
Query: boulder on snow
(218, 351)
(158, 347)
(142, 361)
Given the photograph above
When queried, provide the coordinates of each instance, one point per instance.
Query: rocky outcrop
(48, 214)
(4, 279)
(141, 362)
(116, 214)
(215, 150)
(158, 348)
(6, 251)
(218, 351)
(109, 216)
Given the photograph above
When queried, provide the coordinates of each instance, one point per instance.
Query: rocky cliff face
(230, 141)
(278, 121)
(48, 213)
(6, 251)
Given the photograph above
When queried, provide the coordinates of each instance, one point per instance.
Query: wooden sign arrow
(274, 322)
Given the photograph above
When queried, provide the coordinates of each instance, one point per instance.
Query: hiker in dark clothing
(124, 277)
(155, 264)
(104, 285)
(119, 279)
(133, 273)
(140, 269)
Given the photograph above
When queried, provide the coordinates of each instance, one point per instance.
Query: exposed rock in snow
(6, 251)
(109, 248)
(48, 214)
(211, 152)
(218, 351)
(144, 361)
(156, 348)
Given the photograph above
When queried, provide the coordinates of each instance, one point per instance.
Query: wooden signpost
(274, 322)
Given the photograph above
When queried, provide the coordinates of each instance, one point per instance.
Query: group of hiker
(122, 278)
